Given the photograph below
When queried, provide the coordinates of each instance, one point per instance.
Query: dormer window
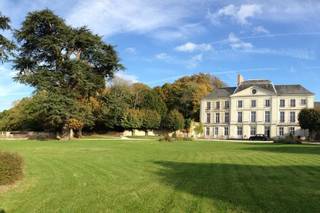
(254, 91)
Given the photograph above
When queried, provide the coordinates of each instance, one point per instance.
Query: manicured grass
(148, 176)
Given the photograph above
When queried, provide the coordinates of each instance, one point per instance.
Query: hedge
(10, 168)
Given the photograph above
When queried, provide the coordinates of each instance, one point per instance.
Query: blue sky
(160, 41)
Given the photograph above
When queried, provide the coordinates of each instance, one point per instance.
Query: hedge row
(10, 168)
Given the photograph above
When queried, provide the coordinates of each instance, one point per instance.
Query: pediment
(253, 91)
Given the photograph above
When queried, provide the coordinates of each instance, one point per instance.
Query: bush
(174, 138)
(288, 140)
(166, 138)
(10, 168)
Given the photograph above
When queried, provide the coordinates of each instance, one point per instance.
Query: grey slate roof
(296, 89)
(265, 84)
(221, 93)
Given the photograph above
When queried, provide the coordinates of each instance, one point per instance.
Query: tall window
(226, 104)
(281, 131)
(226, 131)
(208, 105)
(293, 102)
(239, 131)
(267, 103)
(303, 102)
(282, 117)
(217, 118)
(218, 105)
(267, 116)
(240, 104)
(208, 118)
(282, 103)
(240, 117)
(227, 117)
(253, 103)
(216, 131)
(292, 131)
(267, 131)
(253, 130)
(253, 116)
(292, 117)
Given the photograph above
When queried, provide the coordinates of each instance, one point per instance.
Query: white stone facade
(254, 107)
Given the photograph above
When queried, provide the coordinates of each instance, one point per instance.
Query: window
(218, 105)
(208, 118)
(281, 131)
(216, 131)
(253, 103)
(226, 131)
(207, 131)
(292, 131)
(208, 105)
(292, 117)
(267, 103)
(239, 131)
(240, 117)
(293, 102)
(226, 104)
(240, 103)
(267, 116)
(282, 103)
(303, 102)
(282, 117)
(227, 117)
(253, 130)
(267, 131)
(217, 118)
(253, 116)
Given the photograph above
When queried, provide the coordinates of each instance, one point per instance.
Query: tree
(174, 121)
(6, 46)
(199, 129)
(70, 64)
(309, 119)
(132, 119)
(151, 119)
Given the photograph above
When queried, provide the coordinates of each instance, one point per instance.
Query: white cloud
(109, 17)
(240, 14)
(131, 51)
(260, 30)
(127, 77)
(192, 47)
(194, 61)
(163, 56)
(237, 43)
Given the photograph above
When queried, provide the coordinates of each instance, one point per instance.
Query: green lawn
(148, 176)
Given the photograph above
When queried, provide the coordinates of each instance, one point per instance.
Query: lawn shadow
(2, 211)
(297, 149)
(247, 188)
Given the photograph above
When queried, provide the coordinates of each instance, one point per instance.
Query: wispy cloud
(127, 77)
(260, 30)
(192, 47)
(241, 14)
(237, 43)
(131, 51)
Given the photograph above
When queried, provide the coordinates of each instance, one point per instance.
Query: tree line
(72, 72)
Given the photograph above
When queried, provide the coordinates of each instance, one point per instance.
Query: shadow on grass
(2, 211)
(297, 149)
(247, 188)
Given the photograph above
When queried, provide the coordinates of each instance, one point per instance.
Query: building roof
(221, 93)
(265, 84)
(296, 89)
(292, 90)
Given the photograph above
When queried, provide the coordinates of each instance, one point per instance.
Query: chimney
(240, 79)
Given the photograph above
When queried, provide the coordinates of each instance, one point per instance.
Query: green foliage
(10, 168)
(150, 119)
(199, 129)
(6, 46)
(174, 121)
(132, 119)
(58, 58)
(309, 119)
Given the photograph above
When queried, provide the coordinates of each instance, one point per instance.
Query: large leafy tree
(174, 121)
(310, 119)
(151, 119)
(56, 57)
(70, 64)
(6, 46)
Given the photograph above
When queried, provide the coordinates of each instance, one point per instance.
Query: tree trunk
(146, 133)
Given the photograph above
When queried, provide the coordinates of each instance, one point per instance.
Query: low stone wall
(26, 135)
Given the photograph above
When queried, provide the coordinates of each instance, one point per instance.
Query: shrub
(10, 168)
(166, 138)
(288, 140)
